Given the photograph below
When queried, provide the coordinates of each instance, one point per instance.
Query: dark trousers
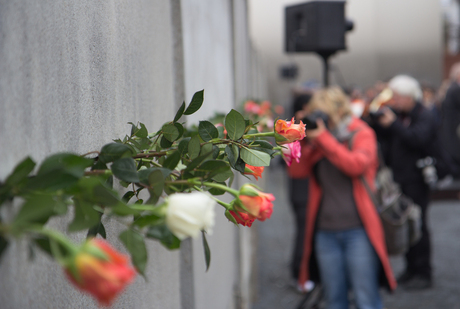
(300, 210)
(418, 258)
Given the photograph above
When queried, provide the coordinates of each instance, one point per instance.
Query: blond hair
(332, 101)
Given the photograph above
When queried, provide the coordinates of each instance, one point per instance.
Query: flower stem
(58, 237)
(99, 172)
(214, 185)
(261, 134)
(227, 206)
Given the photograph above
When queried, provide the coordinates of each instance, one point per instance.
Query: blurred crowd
(412, 127)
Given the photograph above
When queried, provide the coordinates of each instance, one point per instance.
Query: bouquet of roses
(172, 178)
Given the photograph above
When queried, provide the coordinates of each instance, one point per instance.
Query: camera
(310, 120)
(427, 165)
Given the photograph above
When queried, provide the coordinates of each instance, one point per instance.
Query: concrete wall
(217, 58)
(390, 37)
(72, 74)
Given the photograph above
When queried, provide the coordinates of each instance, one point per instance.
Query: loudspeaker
(316, 26)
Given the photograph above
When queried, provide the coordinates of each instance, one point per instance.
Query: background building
(389, 37)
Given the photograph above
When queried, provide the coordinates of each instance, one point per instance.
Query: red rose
(255, 171)
(290, 131)
(243, 218)
(257, 203)
(102, 278)
(291, 152)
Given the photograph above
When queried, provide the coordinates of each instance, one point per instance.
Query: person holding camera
(408, 131)
(344, 245)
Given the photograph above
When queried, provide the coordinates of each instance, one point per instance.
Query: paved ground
(275, 244)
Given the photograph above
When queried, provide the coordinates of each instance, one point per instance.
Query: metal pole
(325, 56)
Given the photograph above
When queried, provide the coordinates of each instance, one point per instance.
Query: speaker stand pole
(325, 56)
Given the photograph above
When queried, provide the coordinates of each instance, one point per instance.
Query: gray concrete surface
(72, 74)
(276, 289)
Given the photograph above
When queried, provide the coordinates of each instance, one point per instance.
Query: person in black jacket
(408, 131)
(450, 108)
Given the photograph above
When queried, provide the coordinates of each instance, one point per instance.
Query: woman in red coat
(344, 238)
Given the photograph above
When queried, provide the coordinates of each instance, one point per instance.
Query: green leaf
(85, 216)
(180, 112)
(240, 166)
(221, 130)
(207, 131)
(43, 242)
(206, 149)
(196, 103)
(230, 217)
(215, 191)
(197, 161)
(125, 169)
(263, 144)
(194, 147)
(233, 154)
(97, 229)
(179, 128)
(279, 138)
(170, 132)
(183, 146)
(105, 196)
(235, 125)
(211, 168)
(157, 182)
(59, 171)
(207, 252)
(172, 160)
(143, 221)
(164, 235)
(135, 244)
(145, 173)
(255, 157)
(142, 132)
(20, 172)
(215, 151)
(164, 143)
(222, 175)
(114, 151)
(127, 196)
(71, 163)
(36, 209)
(249, 125)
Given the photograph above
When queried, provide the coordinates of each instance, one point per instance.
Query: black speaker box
(316, 26)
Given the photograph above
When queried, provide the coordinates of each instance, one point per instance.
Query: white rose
(189, 213)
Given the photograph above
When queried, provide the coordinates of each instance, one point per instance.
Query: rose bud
(100, 270)
(255, 171)
(291, 152)
(256, 203)
(243, 218)
(189, 213)
(289, 130)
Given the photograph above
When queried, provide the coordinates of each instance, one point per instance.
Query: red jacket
(361, 160)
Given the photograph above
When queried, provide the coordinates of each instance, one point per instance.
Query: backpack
(400, 216)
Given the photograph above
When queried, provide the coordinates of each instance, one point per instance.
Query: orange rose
(243, 218)
(102, 278)
(290, 131)
(257, 203)
(255, 171)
